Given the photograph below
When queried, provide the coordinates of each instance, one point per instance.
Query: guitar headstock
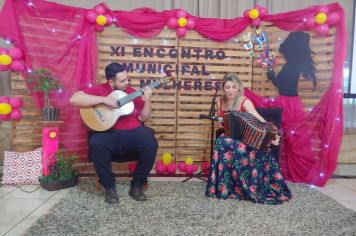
(166, 79)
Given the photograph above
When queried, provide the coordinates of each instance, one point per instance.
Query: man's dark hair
(112, 69)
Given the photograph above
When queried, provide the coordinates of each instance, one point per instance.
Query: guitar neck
(132, 96)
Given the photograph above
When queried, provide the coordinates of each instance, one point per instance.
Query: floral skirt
(241, 172)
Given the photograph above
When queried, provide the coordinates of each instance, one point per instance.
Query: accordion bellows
(250, 130)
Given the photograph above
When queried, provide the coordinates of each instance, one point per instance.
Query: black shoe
(137, 193)
(111, 196)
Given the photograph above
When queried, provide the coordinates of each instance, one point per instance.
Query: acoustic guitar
(102, 117)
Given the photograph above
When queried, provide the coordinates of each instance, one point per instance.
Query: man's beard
(116, 88)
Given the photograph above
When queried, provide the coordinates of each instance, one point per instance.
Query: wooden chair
(273, 115)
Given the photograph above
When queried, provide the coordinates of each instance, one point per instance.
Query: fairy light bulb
(337, 119)
(321, 174)
(90, 85)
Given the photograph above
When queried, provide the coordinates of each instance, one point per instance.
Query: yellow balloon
(182, 22)
(5, 108)
(5, 59)
(320, 18)
(101, 20)
(188, 161)
(167, 158)
(254, 13)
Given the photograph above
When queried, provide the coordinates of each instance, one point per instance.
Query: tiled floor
(20, 209)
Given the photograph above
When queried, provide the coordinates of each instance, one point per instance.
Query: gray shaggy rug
(175, 208)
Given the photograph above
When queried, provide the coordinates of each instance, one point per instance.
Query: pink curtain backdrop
(65, 43)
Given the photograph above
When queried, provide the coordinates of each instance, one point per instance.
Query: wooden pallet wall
(176, 107)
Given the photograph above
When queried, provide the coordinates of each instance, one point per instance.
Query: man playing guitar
(128, 132)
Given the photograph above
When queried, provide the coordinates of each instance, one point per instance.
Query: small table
(50, 131)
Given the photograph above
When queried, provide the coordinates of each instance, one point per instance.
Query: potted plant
(43, 80)
(61, 174)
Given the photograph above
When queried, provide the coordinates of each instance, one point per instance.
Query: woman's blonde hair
(235, 79)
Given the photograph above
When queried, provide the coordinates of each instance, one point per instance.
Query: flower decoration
(188, 166)
(166, 165)
(99, 17)
(181, 23)
(322, 21)
(10, 108)
(11, 59)
(52, 134)
(255, 15)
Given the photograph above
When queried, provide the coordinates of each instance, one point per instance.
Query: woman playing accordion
(238, 170)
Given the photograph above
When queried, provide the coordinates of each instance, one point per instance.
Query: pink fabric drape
(65, 43)
(55, 37)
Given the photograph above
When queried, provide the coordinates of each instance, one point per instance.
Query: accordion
(251, 131)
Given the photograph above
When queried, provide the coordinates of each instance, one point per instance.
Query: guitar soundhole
(98, 114)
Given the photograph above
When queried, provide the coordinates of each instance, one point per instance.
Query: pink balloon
(256, 22)
(181, 13)
(181, 32)
(333, 18)
(171, 168)
(195, 167)
(246, 13)
(15, 114)
(99, 9)
(324, 9)
(205, 167)
(160, 167)
(310, 22)
(91, 16)
(108, 20)
(99, 28)
(189, 169)
(263, 12)
(17, 65)
(172, 23)
(15, 53)
(5, 99)
(16, 102)
(5, 117)
(4, 68)
(322, 30)
(3, 51)
(182, 166)
(131, 167)
(190, 23)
